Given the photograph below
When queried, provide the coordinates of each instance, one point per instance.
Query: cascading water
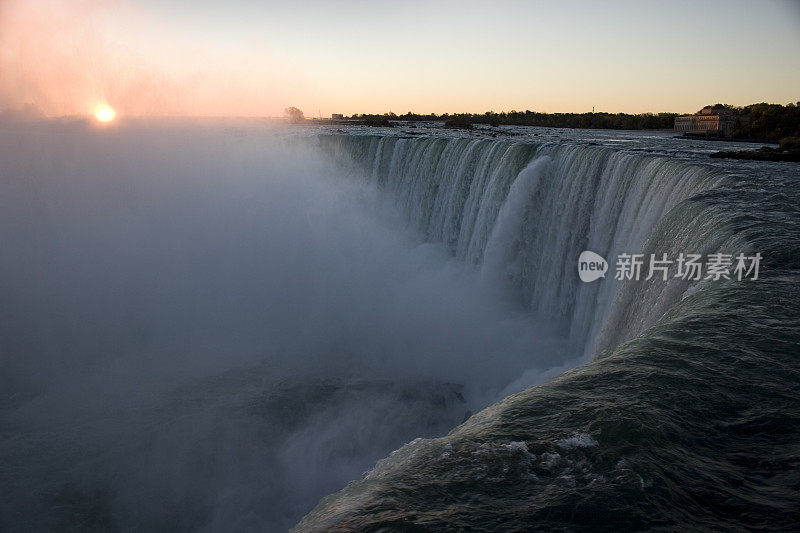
(210, 322)
(523, 212)
(687, 419)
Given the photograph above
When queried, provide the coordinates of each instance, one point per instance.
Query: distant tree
(294, 114)
(769, 121)
(376, 120)
(461, 122)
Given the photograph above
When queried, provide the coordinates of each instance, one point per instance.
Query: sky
(255, 58)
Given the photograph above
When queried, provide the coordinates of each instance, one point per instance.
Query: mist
(207, 326)
(66, 58)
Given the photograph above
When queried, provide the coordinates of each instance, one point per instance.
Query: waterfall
(522, 213)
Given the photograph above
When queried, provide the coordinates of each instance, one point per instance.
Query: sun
(104, 113)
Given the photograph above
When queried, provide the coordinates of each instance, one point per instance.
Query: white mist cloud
(211, 324)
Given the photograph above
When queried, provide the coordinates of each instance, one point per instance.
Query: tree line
(765, 121)
(619, 121)
(768, 121)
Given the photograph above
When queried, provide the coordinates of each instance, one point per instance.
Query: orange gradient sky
(254, 58)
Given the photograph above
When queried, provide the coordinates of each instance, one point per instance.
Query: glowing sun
(104, 113)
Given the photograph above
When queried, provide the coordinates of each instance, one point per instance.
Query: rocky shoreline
(765, 153)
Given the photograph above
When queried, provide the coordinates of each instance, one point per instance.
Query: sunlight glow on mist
(257, 58)
(104, 113)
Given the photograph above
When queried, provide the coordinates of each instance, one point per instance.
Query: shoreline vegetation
(789, 151)
(765, 123)
(618, 121)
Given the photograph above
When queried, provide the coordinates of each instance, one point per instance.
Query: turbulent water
(689, 418)
(211, 326)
